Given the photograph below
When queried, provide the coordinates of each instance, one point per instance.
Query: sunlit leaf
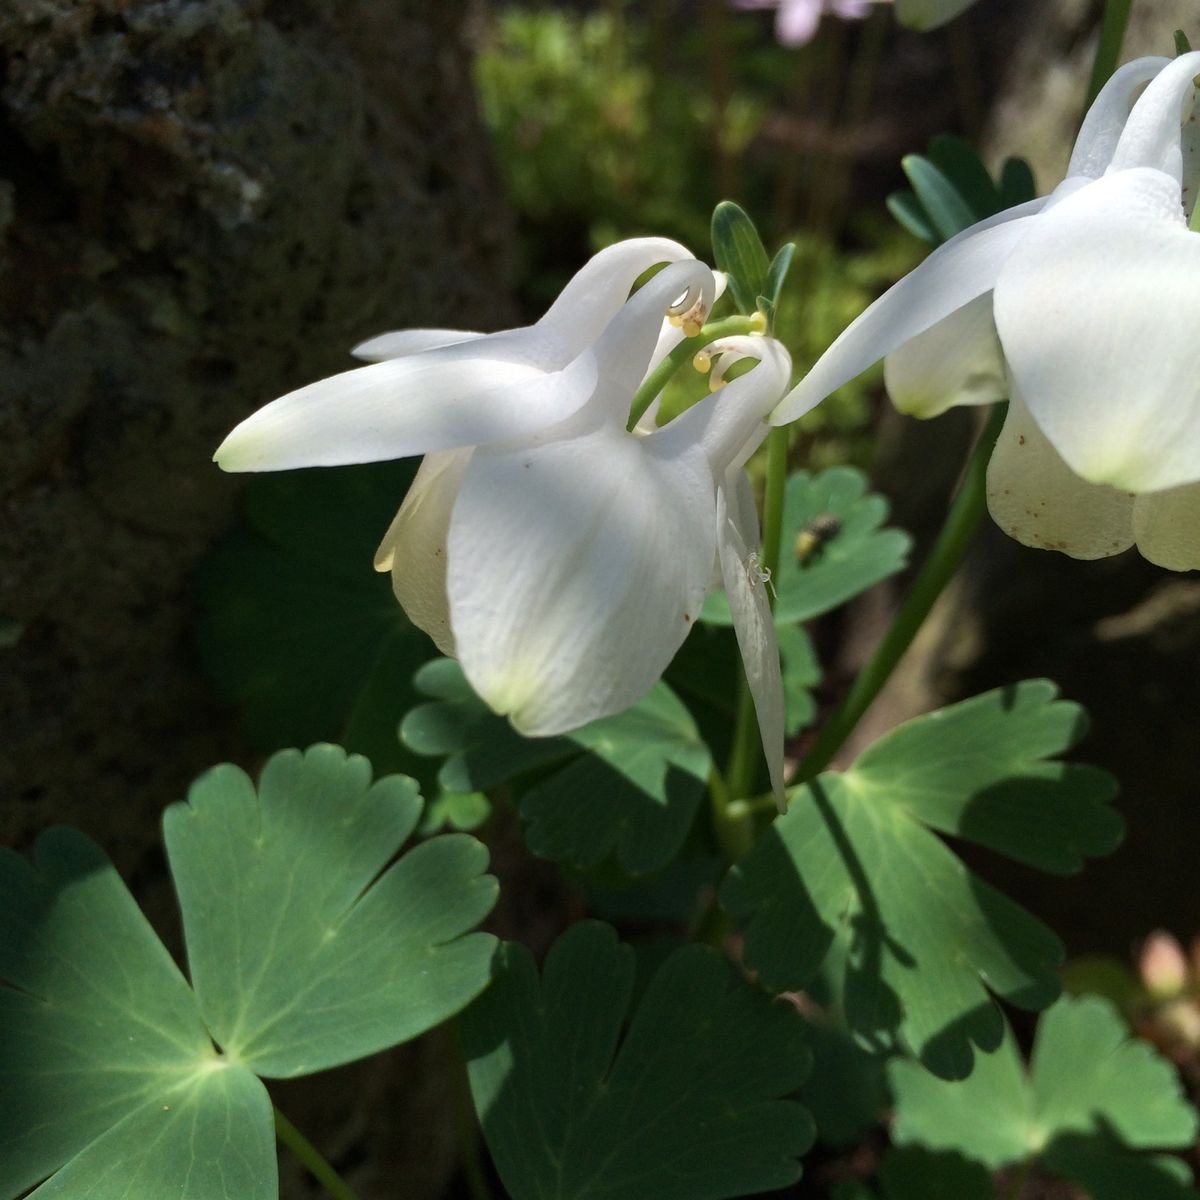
(302, 954)
(627, 785)
(833, 546)
(1092, 1099)
(739, 252)
(689, 1103)
(927, 943)
(106, 1068)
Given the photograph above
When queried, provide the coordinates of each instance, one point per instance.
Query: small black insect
(816, 534)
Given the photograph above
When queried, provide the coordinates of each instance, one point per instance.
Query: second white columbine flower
(1079, 308)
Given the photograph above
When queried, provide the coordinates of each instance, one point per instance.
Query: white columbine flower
(1081, 307)
(559, 557)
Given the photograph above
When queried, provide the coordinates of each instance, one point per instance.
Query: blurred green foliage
(613, 123)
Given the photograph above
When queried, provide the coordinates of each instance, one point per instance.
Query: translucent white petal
(414, 549)
(577, 568)
(953, 275)
(956, 361)
(755, 629)
(1105, 120)
(453, 396)
(1151, 134)
(1167, 527)
(598, 289)
(401, 342)
(1097, 312)
(1037, 499)
(730, 423)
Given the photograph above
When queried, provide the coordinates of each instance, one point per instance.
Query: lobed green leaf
(690, 1104)
(856, 861)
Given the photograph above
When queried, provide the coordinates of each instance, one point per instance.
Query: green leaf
(856, 859)
(960, 163)
(847, 1089)
(298, 630)
(948, 212)
(1092, 1098)
(214, 1139)
(627, 785)
(914, 1173)
(777, 272)
(106, 1068)
(303, 955)
(739, 252)
(1017, 184)
(688, 1105)
(801, 672)
(908, 212)
(833, 546)
(463, 811)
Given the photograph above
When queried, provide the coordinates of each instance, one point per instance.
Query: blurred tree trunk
(202, 205)
(1118, 635)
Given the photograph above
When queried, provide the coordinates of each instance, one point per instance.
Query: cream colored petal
(957, 361)
(1036, 498)
(414, 547)
(1167, 527)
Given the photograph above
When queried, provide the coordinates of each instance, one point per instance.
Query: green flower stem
(1108, 49)
(961, 523)
(310, 1156)
(684, 352)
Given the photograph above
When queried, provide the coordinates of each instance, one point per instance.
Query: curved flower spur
(561, 558)
(1079, 307)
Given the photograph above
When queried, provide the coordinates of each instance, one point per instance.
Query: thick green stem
(1108, 49)
(311, 1157)
(686, 350)
(961, 522)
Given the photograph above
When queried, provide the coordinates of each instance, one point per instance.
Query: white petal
(1151, 134)
(1037, 499)
(929, 14)
(453, 396)
(1167, 527)
(414, 549)
(731, 422)
(402, 342)
(956, 361)
(953, 275)
(577, 568)
(755, 629)
(1097, 313)
(624, 348)
(1105, 120)
(598, 289)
